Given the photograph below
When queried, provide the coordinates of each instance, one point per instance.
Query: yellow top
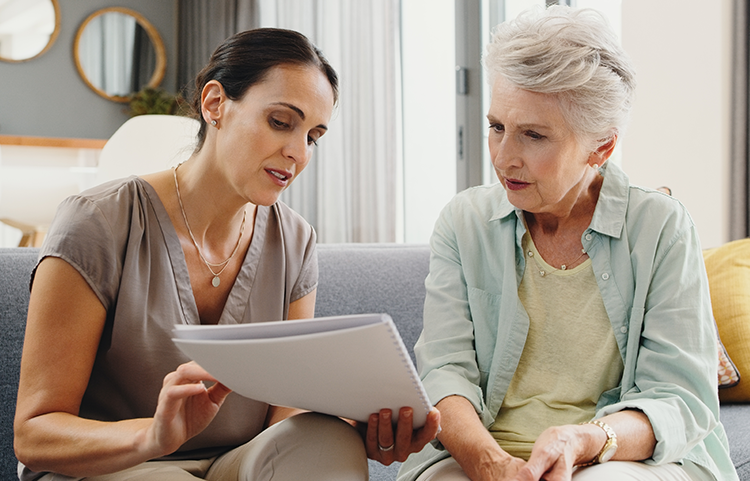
(570, 357)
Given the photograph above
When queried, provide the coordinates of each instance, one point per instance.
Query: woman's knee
(322, 426)
(306, 446)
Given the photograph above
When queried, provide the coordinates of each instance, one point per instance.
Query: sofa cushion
(375, 278)
(736, 421)
(728, 269)
(15, 266)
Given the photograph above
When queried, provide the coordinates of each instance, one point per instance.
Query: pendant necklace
(223, 265)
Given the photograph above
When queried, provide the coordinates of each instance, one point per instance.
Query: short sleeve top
(122, 241)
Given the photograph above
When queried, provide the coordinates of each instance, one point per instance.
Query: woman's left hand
(554, 455)
(384, 445)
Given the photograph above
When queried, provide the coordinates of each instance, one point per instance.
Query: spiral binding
(403, 353)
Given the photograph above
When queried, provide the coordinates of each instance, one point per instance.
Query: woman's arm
(64, 326)
(471, 444)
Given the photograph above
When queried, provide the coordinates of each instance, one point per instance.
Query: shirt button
(605, 276)
(588, 236)
(623, 329)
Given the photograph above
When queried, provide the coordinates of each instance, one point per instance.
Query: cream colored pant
(449, 470)
(308, 446)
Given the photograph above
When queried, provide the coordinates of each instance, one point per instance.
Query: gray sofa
(354, 278)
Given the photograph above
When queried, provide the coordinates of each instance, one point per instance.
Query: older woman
(567, 326)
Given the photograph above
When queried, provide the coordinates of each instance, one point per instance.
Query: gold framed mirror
(28, 28)
(118, 52)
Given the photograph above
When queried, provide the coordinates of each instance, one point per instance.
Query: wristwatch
(610, 447)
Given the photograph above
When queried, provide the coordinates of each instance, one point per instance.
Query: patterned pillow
(728, 374)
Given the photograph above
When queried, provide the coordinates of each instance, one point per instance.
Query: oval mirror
(118, 52)
(28, 28)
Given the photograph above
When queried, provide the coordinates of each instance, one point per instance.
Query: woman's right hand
(472, 445)
(185, 408)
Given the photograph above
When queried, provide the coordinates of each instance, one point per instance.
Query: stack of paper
(347, 366)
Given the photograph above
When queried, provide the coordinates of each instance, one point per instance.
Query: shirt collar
(609, 215)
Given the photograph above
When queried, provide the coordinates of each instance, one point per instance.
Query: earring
(213, 122)
(595, 166)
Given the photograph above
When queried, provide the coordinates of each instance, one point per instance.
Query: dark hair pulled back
(245, 58)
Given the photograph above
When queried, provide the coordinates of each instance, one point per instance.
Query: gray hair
(574, 55)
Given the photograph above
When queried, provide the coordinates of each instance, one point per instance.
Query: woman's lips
(279, 177)
(515, 184)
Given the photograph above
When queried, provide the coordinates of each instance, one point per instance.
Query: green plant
(156, 101)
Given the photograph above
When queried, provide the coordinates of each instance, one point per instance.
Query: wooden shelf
(52, 142)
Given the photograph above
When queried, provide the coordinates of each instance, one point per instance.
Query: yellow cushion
(728, 269)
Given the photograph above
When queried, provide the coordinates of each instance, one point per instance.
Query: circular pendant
(216, 281)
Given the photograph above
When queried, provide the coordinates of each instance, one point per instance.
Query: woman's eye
(311, 141)
(534, 135)
(497, 127)
(279, 124)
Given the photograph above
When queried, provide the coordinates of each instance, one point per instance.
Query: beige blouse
(120, 238)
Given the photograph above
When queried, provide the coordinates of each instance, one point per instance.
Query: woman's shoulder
(112, 193)
(289, 219)
(654, 204)
(101, 208)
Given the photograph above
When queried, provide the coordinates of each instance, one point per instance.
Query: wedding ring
(389, 448)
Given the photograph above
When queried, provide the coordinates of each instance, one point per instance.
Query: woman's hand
(558, 449)
(185, 408)
(554, 454)
(384, 445)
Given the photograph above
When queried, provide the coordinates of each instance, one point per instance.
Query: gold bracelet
(609, 448)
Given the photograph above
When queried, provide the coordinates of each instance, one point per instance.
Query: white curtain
(351, 189)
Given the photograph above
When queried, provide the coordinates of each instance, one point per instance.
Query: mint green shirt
(648, 264)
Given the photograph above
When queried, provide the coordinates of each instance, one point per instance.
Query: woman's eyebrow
(293, 107)
(299, 112)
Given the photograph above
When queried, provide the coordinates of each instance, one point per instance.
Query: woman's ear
(603, 151)
(212, 99)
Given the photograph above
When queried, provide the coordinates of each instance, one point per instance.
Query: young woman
(104, 394)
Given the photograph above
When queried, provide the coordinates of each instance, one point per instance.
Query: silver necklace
(215, 281)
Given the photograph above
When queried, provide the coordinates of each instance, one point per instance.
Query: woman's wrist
(145, 442)
(593, 438)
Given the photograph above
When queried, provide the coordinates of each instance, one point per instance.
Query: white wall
(679, 132)
(429, 109)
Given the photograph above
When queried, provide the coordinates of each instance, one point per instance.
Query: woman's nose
(504, 153)
(298, 150)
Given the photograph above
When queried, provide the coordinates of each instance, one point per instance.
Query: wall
(46, 96)
(679, 133)
(429, 110)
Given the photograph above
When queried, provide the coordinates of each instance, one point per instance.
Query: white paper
(348, 366)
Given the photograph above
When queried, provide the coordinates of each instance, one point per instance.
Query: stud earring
(595, 166)
(213, 122)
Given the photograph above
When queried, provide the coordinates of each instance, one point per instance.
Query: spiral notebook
(347, 366)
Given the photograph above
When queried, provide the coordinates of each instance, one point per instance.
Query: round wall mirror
(28, 28)
(118, 53)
